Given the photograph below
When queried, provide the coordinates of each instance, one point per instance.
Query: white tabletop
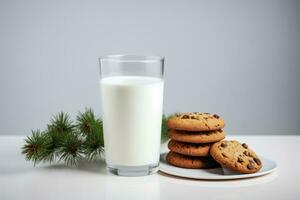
(20, 180)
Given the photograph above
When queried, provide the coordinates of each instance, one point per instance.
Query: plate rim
(215, 176)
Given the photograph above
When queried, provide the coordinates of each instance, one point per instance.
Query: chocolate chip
(223, 145)
(245, 145)
(240, 160)
(193, 117)
(251, 162)
(185, 117)
(250, 166)
(246, 153)
(257, 161)
(224, 155)
(216, 116)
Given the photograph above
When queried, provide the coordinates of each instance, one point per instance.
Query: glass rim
(131, 58)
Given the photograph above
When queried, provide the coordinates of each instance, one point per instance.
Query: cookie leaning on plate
(189, 149)
(197, 137)
(195, 121)
(190, 162)
(236, 156)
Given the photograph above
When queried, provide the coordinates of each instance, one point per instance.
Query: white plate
(213, 174)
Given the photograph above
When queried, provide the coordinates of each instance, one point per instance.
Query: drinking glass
(132, 104)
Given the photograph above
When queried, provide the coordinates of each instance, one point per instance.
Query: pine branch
(58, 131)
(71, 150)
(61, 123)
(55, 140)
(86, 120)
(93, 146)
(92, 129)
(35, 147)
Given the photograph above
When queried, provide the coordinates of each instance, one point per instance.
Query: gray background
(239, 59)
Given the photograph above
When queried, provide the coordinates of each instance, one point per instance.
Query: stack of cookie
(192, 135)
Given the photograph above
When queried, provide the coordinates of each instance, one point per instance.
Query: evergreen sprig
(68, 141)
(61, 123)
(71, 148)
(35, 147)
(91, 128)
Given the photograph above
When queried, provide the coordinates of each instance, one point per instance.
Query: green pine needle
(35, 147)
(86, 121)
(93, 147)
(61, 123)
(55, 140)
(71, 149)
(92, 129)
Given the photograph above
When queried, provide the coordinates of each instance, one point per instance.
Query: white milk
(132, 114)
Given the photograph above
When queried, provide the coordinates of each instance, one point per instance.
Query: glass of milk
(132, 104)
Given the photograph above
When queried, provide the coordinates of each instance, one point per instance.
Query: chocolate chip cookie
(195, 121)
(190, 162)
(236, 156)
(197, 137)
(189, 149)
